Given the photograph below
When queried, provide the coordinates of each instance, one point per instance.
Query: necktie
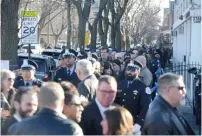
(27, 84)
(129, 83)
(68, 72)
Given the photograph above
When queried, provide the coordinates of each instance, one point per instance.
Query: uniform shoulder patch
(148, 90)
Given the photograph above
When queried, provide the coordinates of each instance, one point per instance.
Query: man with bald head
(49, 120)
(145, 73)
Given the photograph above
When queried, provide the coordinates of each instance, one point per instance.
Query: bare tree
(104, 26)
(93, 28)
(47, 9)
(141, 20)
(83, 14)
(117, 9)
(59, 26)
(9, 30)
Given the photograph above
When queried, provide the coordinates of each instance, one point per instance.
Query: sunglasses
(132, 68)
(180, 88)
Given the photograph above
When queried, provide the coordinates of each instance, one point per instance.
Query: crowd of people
(110, 93)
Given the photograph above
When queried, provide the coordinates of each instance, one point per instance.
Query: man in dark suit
(67, 73)
(49, 120)
(25, 105)
(93, 113)
(89, 83)
(162, 117)
(28, 71)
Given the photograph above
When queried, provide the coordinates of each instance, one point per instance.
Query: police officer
(134, 95)
(28, 71)
(67, 73)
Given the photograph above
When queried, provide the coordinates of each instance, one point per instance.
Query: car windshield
(55, 55)
(40, 62)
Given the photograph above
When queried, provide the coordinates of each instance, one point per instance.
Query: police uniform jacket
(21, 83)
(62, 75)
(136, 98)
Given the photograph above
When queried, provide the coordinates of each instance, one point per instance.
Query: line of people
(93, 96)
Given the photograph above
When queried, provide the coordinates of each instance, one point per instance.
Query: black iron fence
(182, 69)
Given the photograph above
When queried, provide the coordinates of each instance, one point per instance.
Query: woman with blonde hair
(117, 121)
(7, 92)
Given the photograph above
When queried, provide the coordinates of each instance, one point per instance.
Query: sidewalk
(189, 116)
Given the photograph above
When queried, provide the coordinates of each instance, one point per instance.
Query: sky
(164, 4)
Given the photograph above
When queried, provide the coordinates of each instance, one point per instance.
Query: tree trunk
(128, 43)
(9, 31)
(69, 28)
(94, 35)
(118, 36)
(101, 33)
(56, 39)
(106, 25)
(113, 32)
(81, 33)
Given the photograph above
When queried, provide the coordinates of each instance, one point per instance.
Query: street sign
(29, 30)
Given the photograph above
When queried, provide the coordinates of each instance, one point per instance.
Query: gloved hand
(136, 128)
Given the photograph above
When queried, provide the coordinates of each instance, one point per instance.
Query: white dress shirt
(17, 117)
(101, 108)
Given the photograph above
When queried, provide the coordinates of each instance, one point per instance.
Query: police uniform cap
(29, 65)
(68, 54)
(137, 64)
(73, 51)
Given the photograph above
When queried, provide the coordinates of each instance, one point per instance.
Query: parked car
(52, 52)
(35, 48)
(46, 65)
(20, 50)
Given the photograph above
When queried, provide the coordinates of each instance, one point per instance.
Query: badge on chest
(135, 92)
